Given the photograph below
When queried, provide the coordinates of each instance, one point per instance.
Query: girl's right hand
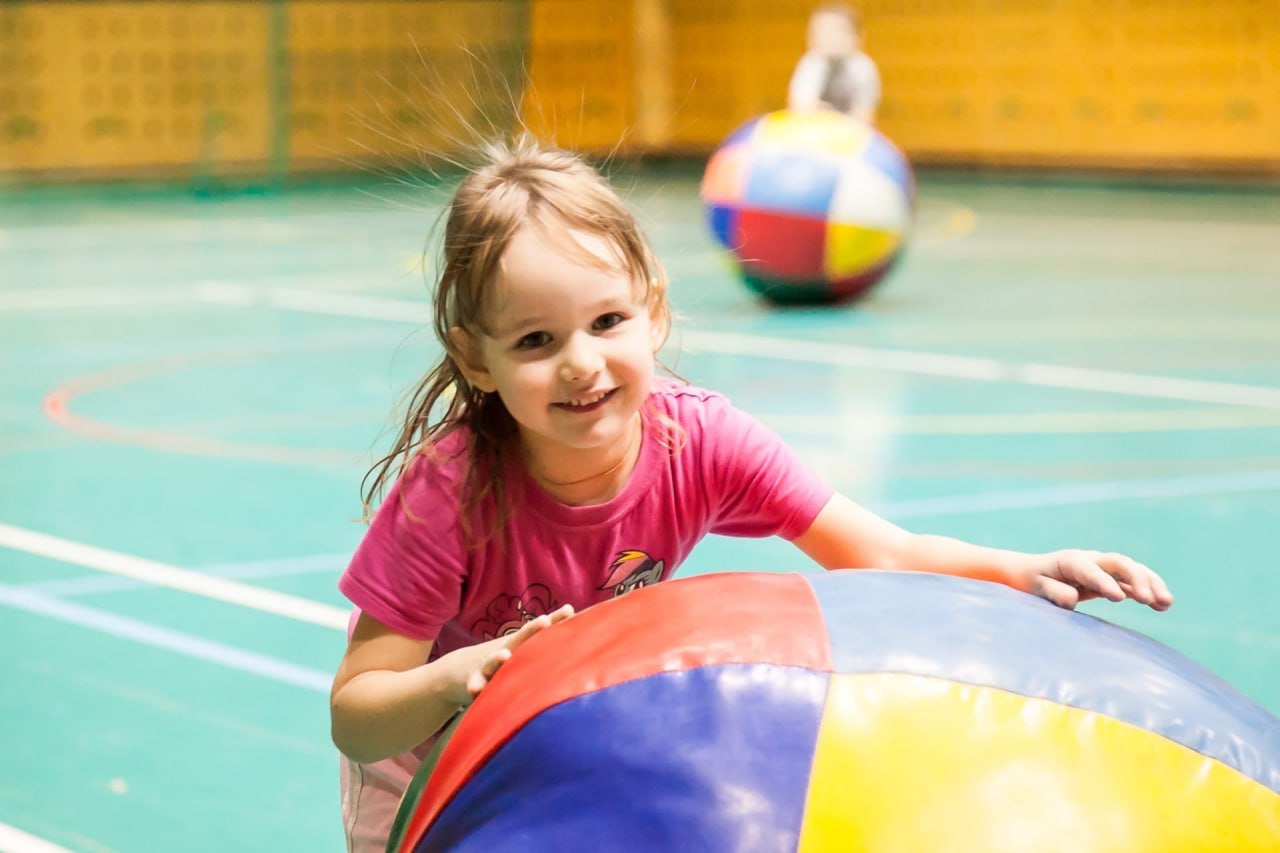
(481, 662)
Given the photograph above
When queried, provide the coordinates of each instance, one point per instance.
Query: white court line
(310, 302)
(326, 563)
(13, 840)
(175, 642)
(1057, 225)
(990, 370)
(220, 589)
(80, 298)
(1081, 493)
(181, 293)
(864, 424)
(842, 355)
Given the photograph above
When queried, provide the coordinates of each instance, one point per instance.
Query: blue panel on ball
(884, 157)
(724, 224)
(974, 632)
(784, 182)
(710, 759)
(741, 134)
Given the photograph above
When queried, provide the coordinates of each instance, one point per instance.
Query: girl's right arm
(385, 700)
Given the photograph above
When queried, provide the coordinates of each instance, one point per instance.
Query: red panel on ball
(782, 245)
(625, 639)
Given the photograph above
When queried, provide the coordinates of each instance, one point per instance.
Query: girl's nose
(581, 360)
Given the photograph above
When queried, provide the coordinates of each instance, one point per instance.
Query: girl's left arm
(845, 535)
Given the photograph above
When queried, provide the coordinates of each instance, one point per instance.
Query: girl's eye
(608, 321)
(533, 340)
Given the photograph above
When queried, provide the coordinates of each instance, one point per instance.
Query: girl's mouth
(587, 403)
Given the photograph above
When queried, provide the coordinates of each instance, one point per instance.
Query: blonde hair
(521, 182)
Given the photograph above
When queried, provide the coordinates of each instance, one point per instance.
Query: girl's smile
(587, 402)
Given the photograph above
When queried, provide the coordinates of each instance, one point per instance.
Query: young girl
(561, 472)
(834, 73)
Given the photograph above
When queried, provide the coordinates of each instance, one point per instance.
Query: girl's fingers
(1131, 572)
(1082, 570)
(1144, 585)
(475, 683)
(1113, 576)
(1163, 597)
(495, 662)
(1060, 593)
(527, 630)
(543, 622)
(479, 678)
(491, 664)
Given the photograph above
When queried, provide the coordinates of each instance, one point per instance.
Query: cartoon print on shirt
(506, 613)
(632, 570)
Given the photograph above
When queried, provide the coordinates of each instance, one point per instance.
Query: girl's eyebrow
(612, 301)
(521, 327)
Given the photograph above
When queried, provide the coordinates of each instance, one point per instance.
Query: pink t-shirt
(723, 472)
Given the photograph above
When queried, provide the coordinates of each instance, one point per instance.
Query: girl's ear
(659, 315)
(659, 329)
(466, 353)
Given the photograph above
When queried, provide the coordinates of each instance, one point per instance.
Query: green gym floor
(191, 387)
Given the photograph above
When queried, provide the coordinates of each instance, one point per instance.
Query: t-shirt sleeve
(408, 570)
(760, 486)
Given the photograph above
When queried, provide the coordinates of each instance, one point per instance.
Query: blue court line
(163, 638)
(258, 569)
(1082, 494)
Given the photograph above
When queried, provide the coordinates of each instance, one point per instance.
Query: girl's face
(570, 348)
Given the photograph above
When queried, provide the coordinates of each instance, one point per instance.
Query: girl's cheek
(537, 376)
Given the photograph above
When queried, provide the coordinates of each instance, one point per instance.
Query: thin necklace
(614, 467)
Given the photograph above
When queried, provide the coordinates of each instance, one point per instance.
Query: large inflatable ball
(813, 206)
(849, 711)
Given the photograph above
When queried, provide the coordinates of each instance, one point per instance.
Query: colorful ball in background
(851, 710)
(814, 206)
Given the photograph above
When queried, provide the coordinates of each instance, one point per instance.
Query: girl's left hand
(1071, 576)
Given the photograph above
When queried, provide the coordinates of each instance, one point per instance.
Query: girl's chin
(604, 435)
(560, 442)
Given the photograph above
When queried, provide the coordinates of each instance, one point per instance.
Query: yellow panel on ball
(818, 132)
(852, 249)
(910, 763)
